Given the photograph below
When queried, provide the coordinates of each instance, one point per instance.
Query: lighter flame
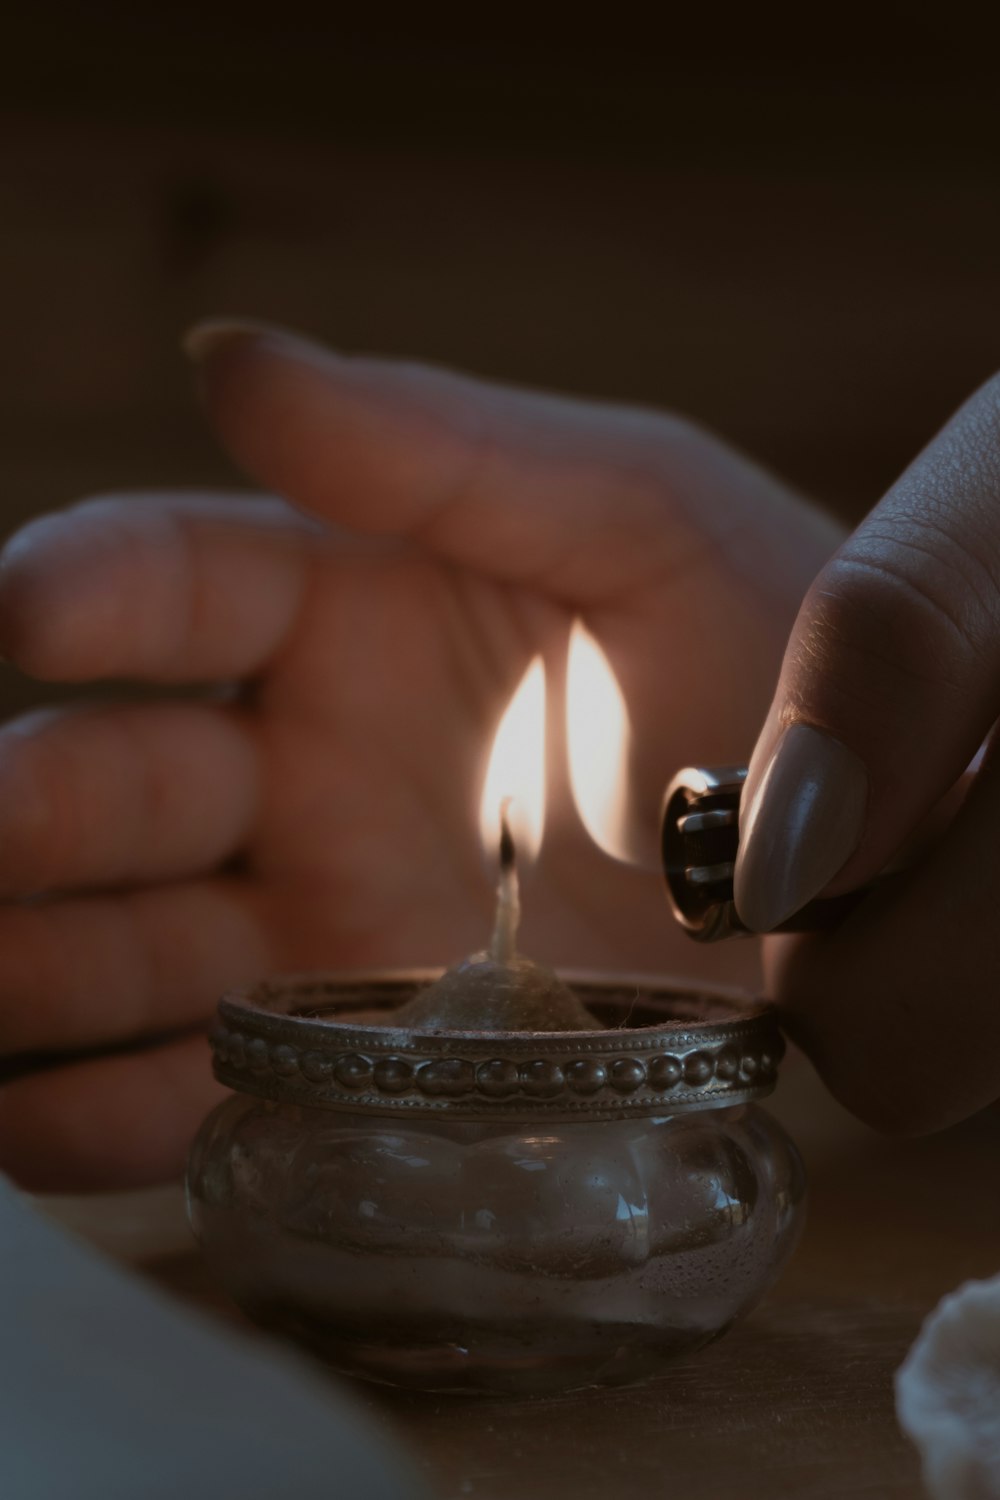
(517, 770)
(598, 736)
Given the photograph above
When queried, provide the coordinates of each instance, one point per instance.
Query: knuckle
(906, 614)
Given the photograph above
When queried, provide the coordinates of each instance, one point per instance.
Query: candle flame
(515, 777)
(598, 736)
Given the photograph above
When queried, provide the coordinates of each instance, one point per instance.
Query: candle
(499, 989)
(503, 948)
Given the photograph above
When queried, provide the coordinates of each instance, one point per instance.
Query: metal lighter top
(700, 836)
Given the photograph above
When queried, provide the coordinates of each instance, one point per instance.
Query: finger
(168, 587)
(99, 970)
(111, 1122)
(583, 500)
(102, 796)
(890, 682)
(106, 970)
(897, 1008)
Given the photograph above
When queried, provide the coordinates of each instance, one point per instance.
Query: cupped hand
(313, 803)
(890, 687)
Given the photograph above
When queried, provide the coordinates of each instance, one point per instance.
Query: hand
(890, 685)
(444, 531)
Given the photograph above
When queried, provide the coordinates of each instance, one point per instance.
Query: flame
(516, 772)
(598, 736)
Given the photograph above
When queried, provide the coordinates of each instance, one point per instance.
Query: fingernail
(205, 338)
(759, 761)
(803, 822)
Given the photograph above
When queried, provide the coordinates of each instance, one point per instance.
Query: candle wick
(508, 854)
(503, 948)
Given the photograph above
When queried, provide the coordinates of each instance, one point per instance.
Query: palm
(376, 720)
(349, 781)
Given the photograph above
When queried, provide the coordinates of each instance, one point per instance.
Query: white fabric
(111, 1390)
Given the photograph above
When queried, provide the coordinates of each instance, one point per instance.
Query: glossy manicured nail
(802, 823)
(769, 736)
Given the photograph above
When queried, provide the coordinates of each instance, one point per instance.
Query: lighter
(700, 835)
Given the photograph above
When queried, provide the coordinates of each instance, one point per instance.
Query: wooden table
(798, 1400)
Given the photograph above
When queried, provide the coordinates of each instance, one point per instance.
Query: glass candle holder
(494, 1211)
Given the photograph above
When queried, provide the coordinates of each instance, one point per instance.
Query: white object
(948, 1394)
(112, 1390)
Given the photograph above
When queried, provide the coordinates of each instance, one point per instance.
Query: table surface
(797, 1400)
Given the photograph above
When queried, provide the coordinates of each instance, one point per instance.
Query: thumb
(890, 681)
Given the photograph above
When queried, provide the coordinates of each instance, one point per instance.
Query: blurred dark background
(792, 234)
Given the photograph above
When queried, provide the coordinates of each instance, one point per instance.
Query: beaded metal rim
(316, 1040)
